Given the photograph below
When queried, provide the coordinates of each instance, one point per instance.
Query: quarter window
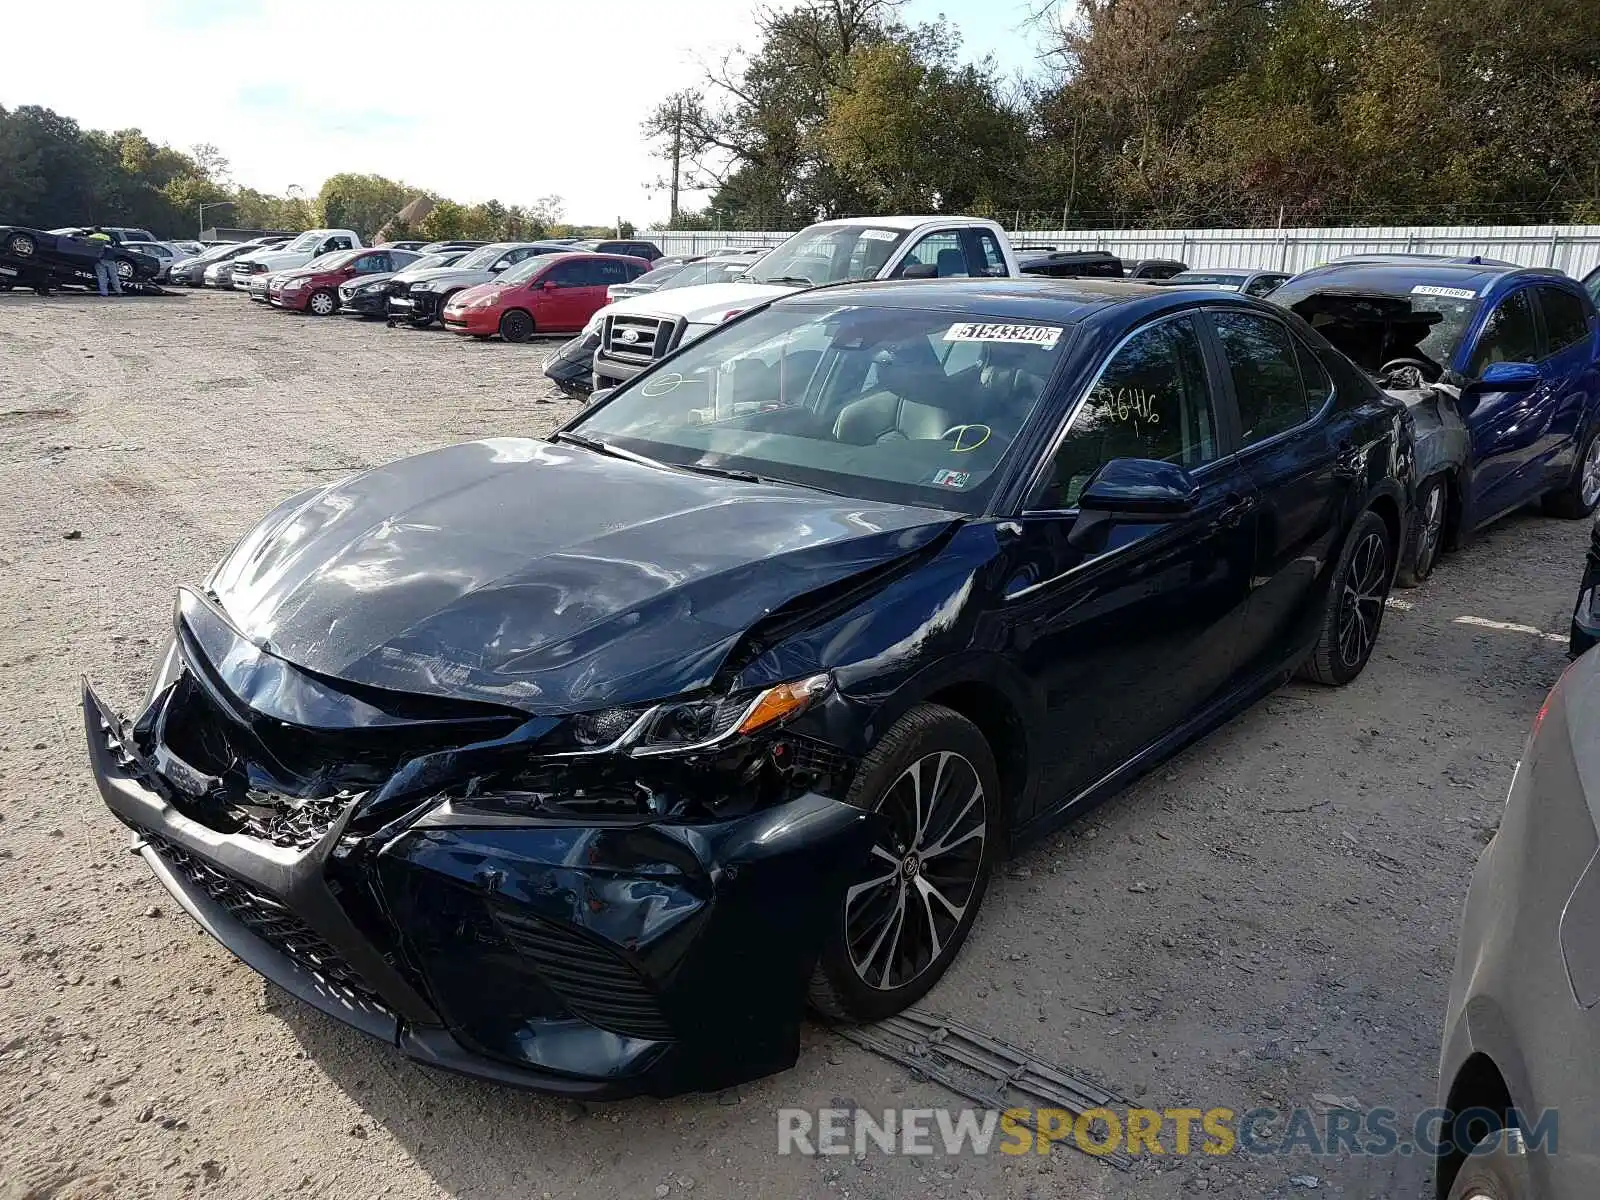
(1266, 376)
(1566, 319)
(1509, 335)
(1151, 401)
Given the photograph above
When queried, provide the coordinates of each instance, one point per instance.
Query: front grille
(425, 303)
(593, 981)
(269, 920)
(637, 339)
(818, 759)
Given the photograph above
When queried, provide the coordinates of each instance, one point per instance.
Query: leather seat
(910, 384)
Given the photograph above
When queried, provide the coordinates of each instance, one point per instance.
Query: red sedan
(314, 288)
(550, 293)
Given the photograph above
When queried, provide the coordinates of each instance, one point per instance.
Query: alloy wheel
(1361, 603)
(1432, 530)
(1589, 488)
(124, 268)
(921, 874)
(22, 246)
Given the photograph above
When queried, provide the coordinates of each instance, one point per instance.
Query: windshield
(444, 258)
(306, 241)
(900, 405)
(529, 267)
(658, 277)
(484, 256)
(1376, 327)
(335, 259)
(705, 272)
(828, 254)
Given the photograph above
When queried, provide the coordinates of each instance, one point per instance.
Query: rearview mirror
(1131, 490)
(920, 271)
(1510, 377)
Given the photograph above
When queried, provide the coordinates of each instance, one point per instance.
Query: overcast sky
(510, 99)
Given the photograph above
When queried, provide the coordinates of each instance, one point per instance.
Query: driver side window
(1152, 400)
(1509, 335)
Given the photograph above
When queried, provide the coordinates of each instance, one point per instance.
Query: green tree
(447, 220)
(364, 203)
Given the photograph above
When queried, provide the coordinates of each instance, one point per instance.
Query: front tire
(1579, 495)
(322, 303)
(124, 270)
(1354, 611)
(516, 326)
(1432, 509)
(932, 780)
(21, 245)
(1497, 1169)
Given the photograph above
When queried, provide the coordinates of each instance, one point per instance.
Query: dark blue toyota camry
(582, 763)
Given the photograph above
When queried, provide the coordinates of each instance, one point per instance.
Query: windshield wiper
(800, 279)
(599, 447)
(725, 472)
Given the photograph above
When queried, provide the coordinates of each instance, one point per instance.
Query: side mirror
(920, 271)
(549, 285)
(498, 267)
(1510, 377)
(600, 394)
(1131, 490)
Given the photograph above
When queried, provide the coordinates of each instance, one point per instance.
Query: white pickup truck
(634, 333)
(313, 243)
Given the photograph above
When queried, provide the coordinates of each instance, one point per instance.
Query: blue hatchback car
(1513, 348)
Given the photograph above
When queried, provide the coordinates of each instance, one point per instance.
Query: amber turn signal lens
(784, 701)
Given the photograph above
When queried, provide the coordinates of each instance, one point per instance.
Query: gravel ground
(1268, 918)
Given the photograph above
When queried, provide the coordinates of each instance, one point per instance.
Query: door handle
(1237, 508)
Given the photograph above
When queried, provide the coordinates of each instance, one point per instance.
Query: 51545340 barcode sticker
(1042, 336)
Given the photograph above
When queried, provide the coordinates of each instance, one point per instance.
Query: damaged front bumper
(593, 960)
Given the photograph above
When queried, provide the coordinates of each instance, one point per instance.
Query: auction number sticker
(1042, 336)
(879, 235)
(1449, 293)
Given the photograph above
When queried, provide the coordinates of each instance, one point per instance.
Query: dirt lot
(1268, 918)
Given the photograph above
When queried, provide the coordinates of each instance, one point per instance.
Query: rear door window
(1262, 359)
(1566, 319)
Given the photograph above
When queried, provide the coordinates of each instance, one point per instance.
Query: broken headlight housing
(686, 726)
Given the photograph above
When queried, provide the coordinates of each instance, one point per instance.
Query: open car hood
(542, 576)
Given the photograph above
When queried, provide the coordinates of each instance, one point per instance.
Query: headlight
(593, 327)
(683, 726)
(484, 302)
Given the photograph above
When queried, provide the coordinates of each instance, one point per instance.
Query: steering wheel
(1415, 372)
(963, 443)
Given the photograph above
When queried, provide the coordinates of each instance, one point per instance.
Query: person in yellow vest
(105, 271)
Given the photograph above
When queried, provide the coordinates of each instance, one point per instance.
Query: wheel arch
(996, 699)
(1478, 1083)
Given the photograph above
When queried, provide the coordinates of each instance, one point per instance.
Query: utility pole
(1072, 184)
(677, 155)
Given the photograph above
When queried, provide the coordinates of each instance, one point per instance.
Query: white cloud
(489, 98)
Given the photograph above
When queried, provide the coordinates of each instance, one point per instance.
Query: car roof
(1037, 298)
(1398, 276)
(902, 222)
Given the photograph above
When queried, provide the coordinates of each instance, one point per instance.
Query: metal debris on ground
(982, 1069)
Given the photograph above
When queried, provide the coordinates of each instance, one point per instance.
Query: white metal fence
(1571, 248)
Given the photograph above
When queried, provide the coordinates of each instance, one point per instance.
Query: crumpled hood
(542, 576)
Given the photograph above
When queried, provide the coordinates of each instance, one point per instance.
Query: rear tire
(1354, 611)
(1579, 495)
(124, 270)
(516, 326)
(322, 303)
(1427, 541)
(898, 927)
